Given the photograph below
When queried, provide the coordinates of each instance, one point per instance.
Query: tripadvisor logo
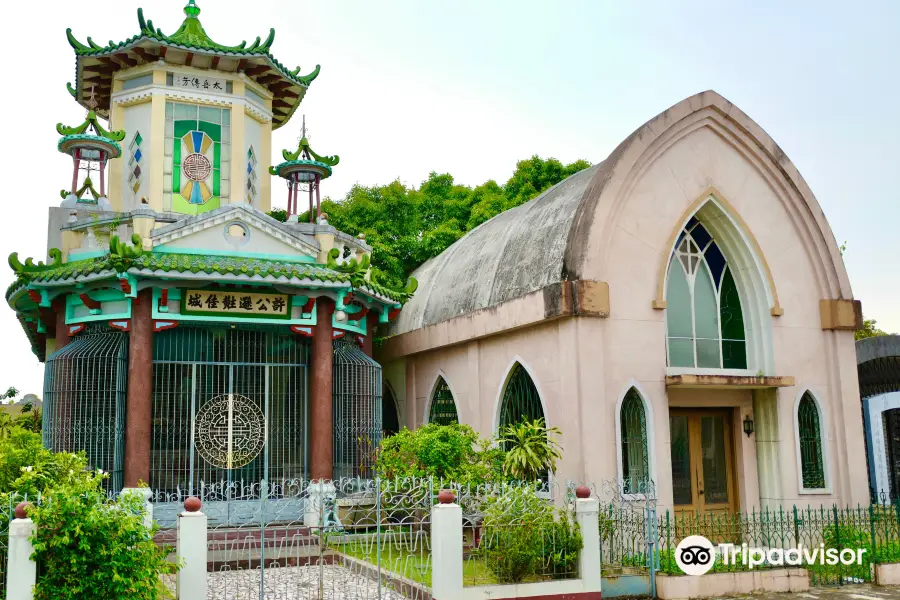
(696, 555)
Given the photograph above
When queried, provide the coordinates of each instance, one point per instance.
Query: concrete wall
(582, 367)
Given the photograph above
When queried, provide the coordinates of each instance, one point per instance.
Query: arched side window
(521, 401)
(390, 419)
(809, 435)
(635, 454)
(443, 407)
(704, 321)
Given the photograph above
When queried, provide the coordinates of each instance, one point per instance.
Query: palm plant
(531, 449)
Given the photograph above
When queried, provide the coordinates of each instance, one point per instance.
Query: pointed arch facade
(718, 292)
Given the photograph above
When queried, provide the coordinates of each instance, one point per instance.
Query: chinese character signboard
(235, 303)
(199, 83)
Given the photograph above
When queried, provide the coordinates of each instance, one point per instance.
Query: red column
(62, 332)
(139, 405)
(318, 198)
(312, 217)
(321, 427)
(371, 324)
(75, 172)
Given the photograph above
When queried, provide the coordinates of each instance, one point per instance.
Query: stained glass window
(704, 322)
(443, 408)
(136, 164)
(251, 176)
(635, 457)
(812, 463)
(198, 150)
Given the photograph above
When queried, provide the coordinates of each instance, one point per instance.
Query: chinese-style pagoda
(188, 336)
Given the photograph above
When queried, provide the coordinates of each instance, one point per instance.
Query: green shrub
(27, 468)
(523, 537)
(450, 452)
(564, 544)
(90, 547)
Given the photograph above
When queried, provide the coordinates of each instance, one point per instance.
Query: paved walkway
(848, 592)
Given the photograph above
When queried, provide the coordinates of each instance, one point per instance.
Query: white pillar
(21, 571)
(191, 551)
(587, 511)
(145, 494)
(447, 549)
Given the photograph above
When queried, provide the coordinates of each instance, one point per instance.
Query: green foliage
(406, 226)
(452, 452)
(279, 214)
(9, 394)
(565, 544)
(523, 536)
(31, 420)
(91, 547)
(531, 449)
(868, 330)
(27, 468)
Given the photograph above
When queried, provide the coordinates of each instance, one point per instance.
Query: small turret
(304, 170)
(91, 147)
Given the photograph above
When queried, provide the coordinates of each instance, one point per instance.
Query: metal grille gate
(84, 400)
(356, 401)
(195, 365)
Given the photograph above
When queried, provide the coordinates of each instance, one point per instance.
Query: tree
(407, 226)
(531, 449)
(9, 394)
(868, 330)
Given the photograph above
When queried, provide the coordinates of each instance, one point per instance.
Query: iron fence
(84, 400)
(518, 533)
(873, 529)
(351, 538)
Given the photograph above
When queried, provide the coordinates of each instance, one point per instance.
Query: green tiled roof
(199, 263)
(233, 265)
(191, 37)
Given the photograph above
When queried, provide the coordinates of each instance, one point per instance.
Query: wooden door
(702, 460)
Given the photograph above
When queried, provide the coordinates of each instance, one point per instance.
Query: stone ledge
(728, 381)
(685, 587)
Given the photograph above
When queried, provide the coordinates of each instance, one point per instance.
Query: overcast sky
(470, 87)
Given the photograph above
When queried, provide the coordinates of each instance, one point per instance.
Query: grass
(413, 564)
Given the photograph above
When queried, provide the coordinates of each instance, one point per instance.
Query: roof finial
(192, 10)
(92, 101)
(303, 129)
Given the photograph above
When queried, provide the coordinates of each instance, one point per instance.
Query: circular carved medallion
(230, 431)
(196, 167)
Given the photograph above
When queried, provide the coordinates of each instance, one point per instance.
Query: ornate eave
(189, 46)
(126, 265)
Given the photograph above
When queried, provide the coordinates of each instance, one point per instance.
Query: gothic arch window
(390, 418)
(809, 440)
(521, 401)
(704, 320)
(443, 407)
(635, 454)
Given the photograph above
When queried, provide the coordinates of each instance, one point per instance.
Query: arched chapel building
(680, 311)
